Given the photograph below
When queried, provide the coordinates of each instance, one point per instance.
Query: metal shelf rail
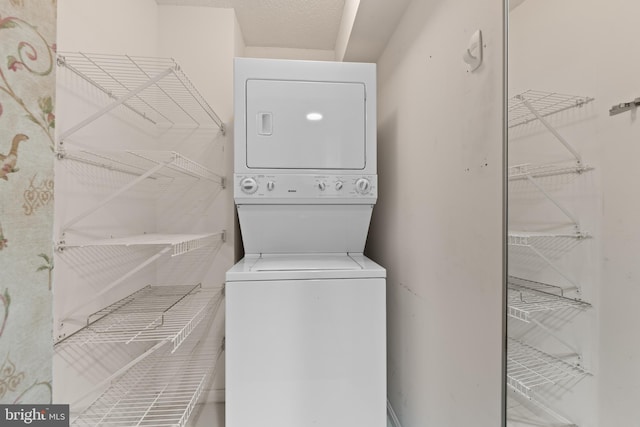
(152, 314)
(525, 301)
(177, 244)
(526, 171)
(161, 390)
(154, 88)
(535, 286)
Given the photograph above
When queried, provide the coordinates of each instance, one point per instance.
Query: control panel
(294, 186)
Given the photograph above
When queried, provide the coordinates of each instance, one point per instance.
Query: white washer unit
(305, 331)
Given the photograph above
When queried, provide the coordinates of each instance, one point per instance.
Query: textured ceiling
(304, 24)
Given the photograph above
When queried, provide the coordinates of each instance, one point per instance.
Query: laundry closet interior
(144, 217)
(504, 216)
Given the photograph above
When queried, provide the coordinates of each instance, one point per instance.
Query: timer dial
(248, 185)
(363, 186)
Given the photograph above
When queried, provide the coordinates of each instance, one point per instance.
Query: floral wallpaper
(27, 122)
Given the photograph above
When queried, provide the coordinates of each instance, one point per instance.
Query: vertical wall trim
(505, 198)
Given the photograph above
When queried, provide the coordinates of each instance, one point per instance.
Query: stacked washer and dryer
(305, 309)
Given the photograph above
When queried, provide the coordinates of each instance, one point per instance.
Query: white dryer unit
(305, 310)
(305, 155)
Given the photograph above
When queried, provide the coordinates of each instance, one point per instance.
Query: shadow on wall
(388, 166)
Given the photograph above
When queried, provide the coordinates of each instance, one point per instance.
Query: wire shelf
(536, 251)
(545, 103)
(152, 314)
(169, 97)
(546, 241)
(527, 298)
(535, 286)
(139, 162)
(529, 368)
(179, 244)
(521, 172)
(161, 390)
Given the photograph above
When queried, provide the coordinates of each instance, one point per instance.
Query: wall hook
(473, 53)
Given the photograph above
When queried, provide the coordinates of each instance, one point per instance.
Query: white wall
(618, 70)
(289, 53)
(584, 48)
(206, 54)
(116, 26)
(437, 227)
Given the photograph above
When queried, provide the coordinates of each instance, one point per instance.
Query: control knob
(363, 186)
(322, 186)
(271, 185)
(248, 185)
(339, 185)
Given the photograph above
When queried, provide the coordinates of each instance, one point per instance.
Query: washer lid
(304, 267)
(305, 262)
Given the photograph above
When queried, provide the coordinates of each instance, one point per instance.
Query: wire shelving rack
(160, 386)
(154, 88)
(523, 171)
(175, 244)
(152, 314)
(545, 104)
(169, 164)
(541, 250)
(529, 368)
(160, 245)
(160, 167)
(161, 390)
(526, 299)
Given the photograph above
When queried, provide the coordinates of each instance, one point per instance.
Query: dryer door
(305, 125)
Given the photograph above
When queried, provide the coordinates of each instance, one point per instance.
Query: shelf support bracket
(117, 102)
(120, 371)
(553, 334)
(575, 286)
(117, 281)
(115, 194)
(553, 200)
(551, 129)
(546, 408)
(523, 241)
(625, 106)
